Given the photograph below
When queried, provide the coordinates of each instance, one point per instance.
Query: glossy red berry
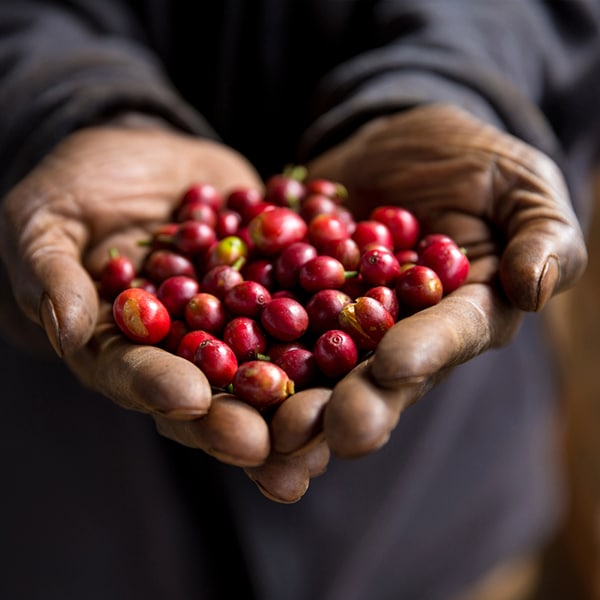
(117, 275)
(419, 287)
(290, 261)
(448, 261)
(379, 267)
(323, 309)
(190, 342)
(205, 311)
(141, 316)
(247, 298)
(175, 292)
(273, 230)
(387, 297)
(300, 366)
(322, 272)
(246, 338)
(335, 353)
(402, 223)
(220, 279)
(325, 228)
(161, 264)
(372, 232)
(285, 319)
(217, 361)
(366, 320)
(194, 237)
(262, 384)
(204, 193)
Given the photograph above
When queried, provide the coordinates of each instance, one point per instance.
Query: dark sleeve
(65, 64)
(514, 63)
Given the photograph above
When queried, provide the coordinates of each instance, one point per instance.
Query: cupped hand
(503, 201)
(109, 187)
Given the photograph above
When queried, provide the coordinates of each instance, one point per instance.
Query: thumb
(41, 252)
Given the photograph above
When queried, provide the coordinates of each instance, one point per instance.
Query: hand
(109, 187)
(504, 201)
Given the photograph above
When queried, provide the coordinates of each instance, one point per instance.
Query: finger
(231, 431)
(298, 422)
(140, 377)
(286, 479)
(42, 258)
(546, 251)
(412, 356)
(361, 415)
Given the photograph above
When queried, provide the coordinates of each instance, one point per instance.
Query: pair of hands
(110, 186)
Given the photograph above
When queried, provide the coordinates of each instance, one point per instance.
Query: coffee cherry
(323, 272)
(300, 366)
(196, 211)
(194, 237)
(247, 298)
(335, 353)
(419, 287)
(219, 280)
(190, 342)
(366, 320)
(262, 384)
(217, 361)
(323, 309)
(448, 261)
(205, 311)
(246, 338)
(285, 319)
(240, 199)
(324, 229)
(317, 204)
(345, 250)
(260, 270)
(117, 275)
(175, 292)
(403, 225)
(430, 238)
(290, 261)
(379, 267)
(325, 187)
(273, 230)
(387, 297)
(162, 264)
(204, 193)
(141, 316)
(228, 223)
(231, 250)
(372, 232)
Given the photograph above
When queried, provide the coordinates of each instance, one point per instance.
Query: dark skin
(108, 186)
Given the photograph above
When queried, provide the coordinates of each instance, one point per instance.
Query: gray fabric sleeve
(513, 63)
(63, 67)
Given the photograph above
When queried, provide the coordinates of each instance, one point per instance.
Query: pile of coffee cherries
(270, 292)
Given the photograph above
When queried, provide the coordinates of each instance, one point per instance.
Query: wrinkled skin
(109, 186)
(503, 201)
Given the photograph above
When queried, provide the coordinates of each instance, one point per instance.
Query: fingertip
(299, 420)
(68, 306)
(359, 417)
(280, 479)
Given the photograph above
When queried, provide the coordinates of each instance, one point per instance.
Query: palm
(503, 201)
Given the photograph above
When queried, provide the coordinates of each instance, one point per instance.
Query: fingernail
(49, 321)
(548, 282)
